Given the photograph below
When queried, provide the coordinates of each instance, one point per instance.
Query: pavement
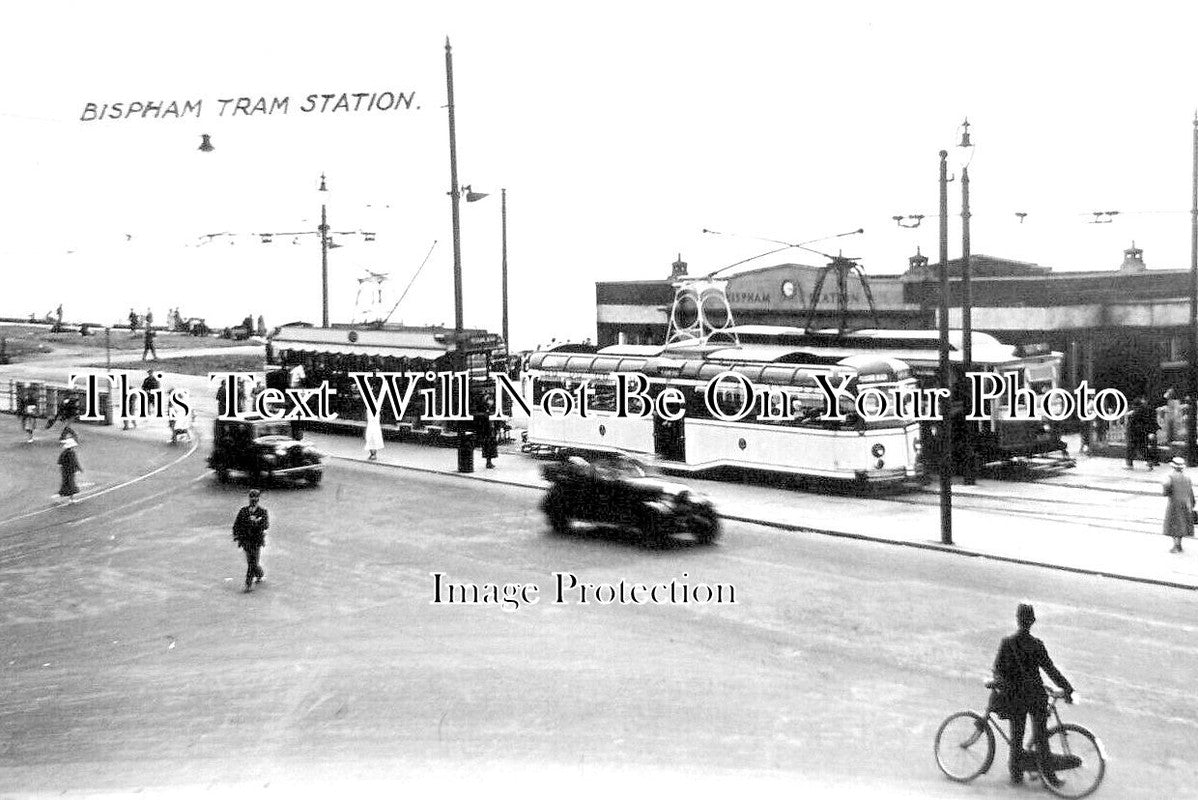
(1135, 551)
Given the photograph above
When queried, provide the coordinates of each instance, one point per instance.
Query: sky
(620, 131)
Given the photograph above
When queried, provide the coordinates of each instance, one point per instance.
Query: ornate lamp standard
(946, 376)
(963, 155)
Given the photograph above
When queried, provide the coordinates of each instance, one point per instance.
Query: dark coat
(1141, 424)
(1179, 513)
(488, 436)
(1017, 667)
(249, 529)
(68, 462)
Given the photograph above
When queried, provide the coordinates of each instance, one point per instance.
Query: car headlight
(270, 458)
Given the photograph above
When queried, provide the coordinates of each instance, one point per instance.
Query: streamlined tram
(1002, 438)
(792, 425)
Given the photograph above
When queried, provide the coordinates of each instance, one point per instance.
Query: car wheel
(314, 477)
(705, 527)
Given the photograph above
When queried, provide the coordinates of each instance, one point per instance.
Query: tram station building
(1123, 327)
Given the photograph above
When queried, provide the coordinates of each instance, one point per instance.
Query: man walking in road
(249, 531)
(1017, 667)
(1179, 513)
(149, 347)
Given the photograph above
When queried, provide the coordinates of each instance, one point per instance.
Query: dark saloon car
(262, 448)
(619, 491)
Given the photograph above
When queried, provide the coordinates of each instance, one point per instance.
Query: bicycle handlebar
(1051, 691)
(1058, 694)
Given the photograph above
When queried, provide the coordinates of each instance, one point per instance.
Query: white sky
(620, 129)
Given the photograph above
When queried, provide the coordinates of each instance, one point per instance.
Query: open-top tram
(765, 408)
(305, 356)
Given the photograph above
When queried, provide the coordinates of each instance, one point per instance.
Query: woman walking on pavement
(1179, 513)
(374, 437)
(68, 463)
(28, 413)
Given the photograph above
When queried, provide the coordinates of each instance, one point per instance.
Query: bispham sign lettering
(195, 108)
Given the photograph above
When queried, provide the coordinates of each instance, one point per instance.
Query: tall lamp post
(465, 444)
(323, 230)
(964, 154)
(946, 448)
(503, 224)
(1191, 433)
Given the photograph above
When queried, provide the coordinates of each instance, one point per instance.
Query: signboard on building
(789, 287)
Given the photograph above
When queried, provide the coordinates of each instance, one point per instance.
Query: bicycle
(965, 749)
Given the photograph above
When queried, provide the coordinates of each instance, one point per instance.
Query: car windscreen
(273, 429)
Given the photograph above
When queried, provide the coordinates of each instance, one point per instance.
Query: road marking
(130, 482)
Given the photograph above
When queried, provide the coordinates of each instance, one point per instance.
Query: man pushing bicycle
(1019, 692)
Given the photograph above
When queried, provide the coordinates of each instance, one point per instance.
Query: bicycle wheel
(964, 746)
(1078, 760)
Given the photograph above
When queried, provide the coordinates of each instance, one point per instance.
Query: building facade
(1124, 328)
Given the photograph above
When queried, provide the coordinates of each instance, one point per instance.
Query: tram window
(631, 365)
(579, 364)
(729, 400)
(806, 410)
(603, 397)
(778, 375)
(606, 364)
(752, 373)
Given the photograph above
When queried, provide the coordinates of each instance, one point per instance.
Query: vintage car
(262, 448)
(618, 491)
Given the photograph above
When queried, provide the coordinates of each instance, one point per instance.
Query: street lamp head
(963, 152)
(473, 196)
(206, 143)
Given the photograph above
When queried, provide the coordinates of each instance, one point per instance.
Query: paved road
(133, 662)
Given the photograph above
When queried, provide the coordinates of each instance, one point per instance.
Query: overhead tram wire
(410, 282)
(785, 246)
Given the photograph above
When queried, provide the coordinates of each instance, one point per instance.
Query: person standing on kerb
(487, 435)
(1179, 513)
(249, 532)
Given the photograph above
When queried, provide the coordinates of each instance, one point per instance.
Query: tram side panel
(600, 431)
(882, 455)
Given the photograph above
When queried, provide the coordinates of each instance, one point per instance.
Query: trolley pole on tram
(946, 449)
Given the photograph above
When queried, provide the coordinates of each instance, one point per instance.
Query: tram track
(1120, 515)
